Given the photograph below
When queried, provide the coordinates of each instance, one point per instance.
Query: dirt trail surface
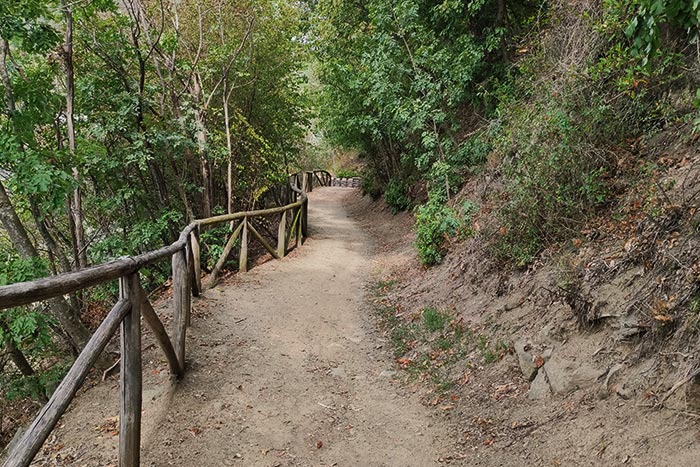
(284, 369)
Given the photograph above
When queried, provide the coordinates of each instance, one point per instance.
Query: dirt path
(284, 370)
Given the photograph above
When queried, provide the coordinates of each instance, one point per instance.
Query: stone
(547, 354)
(387, 374)
(566, 376)
(611, 373)
(628, 326)
(539, 388)
(525, 359)
(338, 372)
(623, 391)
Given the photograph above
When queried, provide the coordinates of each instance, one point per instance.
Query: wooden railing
(133, 304)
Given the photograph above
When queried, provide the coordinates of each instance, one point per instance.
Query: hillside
(520, 375)
(545, 287)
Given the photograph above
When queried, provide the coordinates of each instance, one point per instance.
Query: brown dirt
(289, 367)
(494, 422)
(285, 369)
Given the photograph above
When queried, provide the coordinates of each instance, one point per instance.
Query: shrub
(395, 195)
(347, 173)
(435, 222)
(371, 185)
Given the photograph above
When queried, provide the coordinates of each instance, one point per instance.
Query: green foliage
(435, 222)
(348, 173)
(556, 180)
(557, 139)
(15, 269)
(396, 75)
(490, 351)
(371, 185)
(213, 241)
(434, 319)
(647, 18)
(16, 387)
(396, 196)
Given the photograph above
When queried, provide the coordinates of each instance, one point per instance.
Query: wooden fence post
(130, 377)
(28, 446)
(243, 259)
(281, 235)
(299, 227)
(305, 219)
(181, 299)
(196, 267)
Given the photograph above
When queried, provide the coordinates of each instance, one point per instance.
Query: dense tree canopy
(122, 120)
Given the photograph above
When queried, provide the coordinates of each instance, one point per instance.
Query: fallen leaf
(319, 444)
(539, 361)
(404, 362)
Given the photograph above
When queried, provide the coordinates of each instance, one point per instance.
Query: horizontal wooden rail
(133, 304)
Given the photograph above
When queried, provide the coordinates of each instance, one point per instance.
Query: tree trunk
(16, 231)
(76, 206)
(5, 77)
(229, 148)
(202, 150)
(67, 317)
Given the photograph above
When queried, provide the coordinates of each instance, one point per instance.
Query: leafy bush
(556, 178)
(347, 173)
(558, 142)
(395, 195)
(435, 222)
(371, 185)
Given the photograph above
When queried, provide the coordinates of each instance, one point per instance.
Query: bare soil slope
(592, 403)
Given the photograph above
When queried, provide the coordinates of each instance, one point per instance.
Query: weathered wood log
(243, 258)
(293, 230)
(161, 335)
(258, 213)
(304, 220)
(194, 258)
(300, 227)
(43, 424)
(180, 302)
(130, 381)
(262, 240)
(281, 236)
(224, 255)
(24, 293)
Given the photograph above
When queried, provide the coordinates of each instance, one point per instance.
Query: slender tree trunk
(202, 150)
(229, 148)
(16, 231)
(17, 357)
(5, 77)
(67, 317)
(76, 206)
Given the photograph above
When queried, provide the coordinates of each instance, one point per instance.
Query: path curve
(286, 370)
